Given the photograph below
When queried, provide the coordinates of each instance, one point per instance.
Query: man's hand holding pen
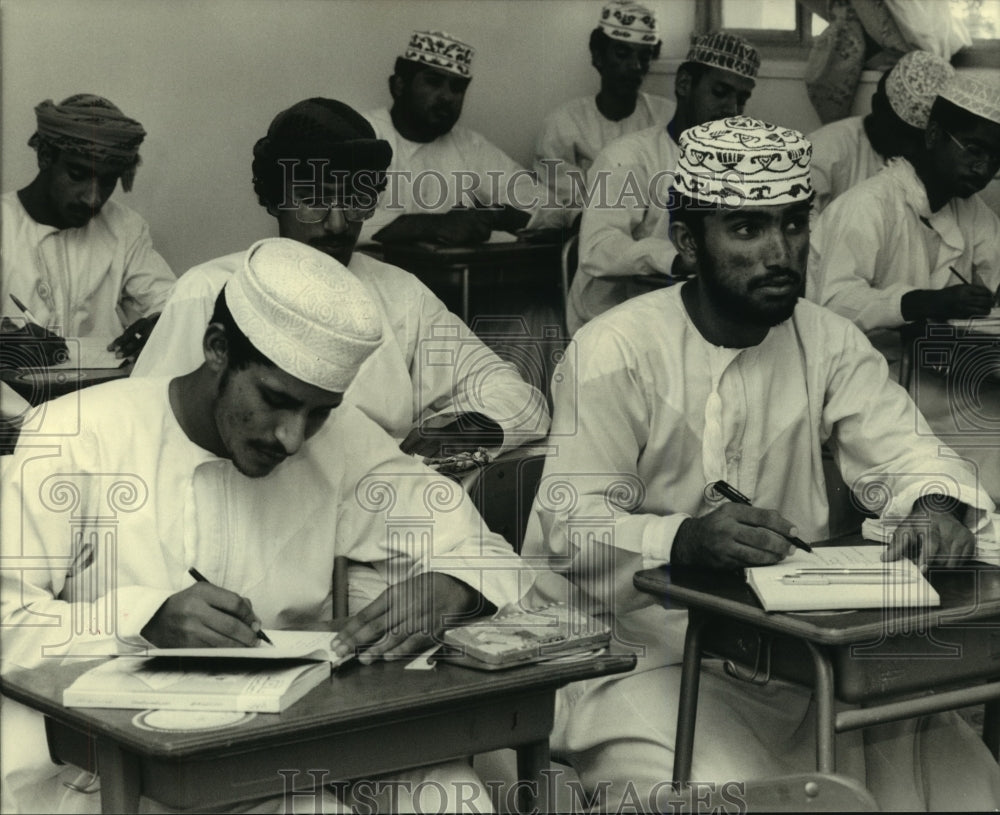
(733, 536)
(204, 616)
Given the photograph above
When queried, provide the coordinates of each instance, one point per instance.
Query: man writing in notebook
(731, 376)
(221, 469)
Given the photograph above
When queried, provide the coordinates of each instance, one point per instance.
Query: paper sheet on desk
(89, 352)
(987, 536)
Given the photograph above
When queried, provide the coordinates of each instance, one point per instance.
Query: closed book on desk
(520, 637)
(838, 578)
(226, 684)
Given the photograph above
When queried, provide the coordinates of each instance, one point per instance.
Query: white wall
(205, 77)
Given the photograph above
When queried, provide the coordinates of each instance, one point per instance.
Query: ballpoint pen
(738, 497)
(891, 579)
(954, 271)
(24, 310)
(202, 579)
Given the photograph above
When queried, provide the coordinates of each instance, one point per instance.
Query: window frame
(770, 42)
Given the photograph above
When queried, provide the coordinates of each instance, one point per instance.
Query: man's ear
(597, 58)
(46, 158)
(396, 86)
(685, 243)
(932, 134)
(216, 347)
(682, 85)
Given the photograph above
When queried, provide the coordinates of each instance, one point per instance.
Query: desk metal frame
(367, 721)
(726, 599)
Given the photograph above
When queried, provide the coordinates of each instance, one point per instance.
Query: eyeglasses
(314, 211)
(978, 155)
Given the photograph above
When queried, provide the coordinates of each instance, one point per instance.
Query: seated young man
(732, 376)
(432, 384)
(624, 247)
(622, 47)
(916, 242)
(83, 264)
(447, 183)
(850, 150)
(223, 469)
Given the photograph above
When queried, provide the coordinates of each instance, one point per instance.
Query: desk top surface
(969, 594)
(356, 696)
(483, 253)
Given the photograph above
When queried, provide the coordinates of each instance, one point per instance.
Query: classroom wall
(205, 77)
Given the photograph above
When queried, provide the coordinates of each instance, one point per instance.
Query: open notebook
(840, 577)
(311, 645)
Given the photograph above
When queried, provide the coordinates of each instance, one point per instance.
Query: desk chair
(570, 258)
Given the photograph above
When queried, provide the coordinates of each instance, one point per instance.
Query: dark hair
(952, 117)
(696, 70)
(685, 210)
(599, 42)
(241, 352)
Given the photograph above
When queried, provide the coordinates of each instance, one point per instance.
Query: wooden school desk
(493, 267)
(367, 721)
(938, 659)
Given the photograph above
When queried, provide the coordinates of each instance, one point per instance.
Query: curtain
(861, 33)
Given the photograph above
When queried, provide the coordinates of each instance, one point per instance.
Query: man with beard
(447, 184)
(432, 384)
(82, 264)
(916, 241)
(622, 47)
(624, 247)
(731, 376)
(253, 471)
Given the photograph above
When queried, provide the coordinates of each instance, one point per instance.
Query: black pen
(202, 579)
(738, 497)
(24, 310)
(954, 271)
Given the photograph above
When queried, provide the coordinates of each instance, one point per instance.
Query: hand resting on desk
(932, 534)
(407, 617)
(732, 536)
(203, 615)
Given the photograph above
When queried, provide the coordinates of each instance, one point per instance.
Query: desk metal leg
(119, 771)
(533, 791)
(687, 705)
(826, 748)
(465, 295)
(991, 727)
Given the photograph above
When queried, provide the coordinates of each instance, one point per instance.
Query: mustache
(779, 277)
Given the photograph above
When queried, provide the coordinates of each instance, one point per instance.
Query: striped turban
(89, 124)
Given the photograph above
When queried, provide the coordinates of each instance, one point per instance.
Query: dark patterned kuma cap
(438, 49)
(629, 22)
(741, 161)
(725, 51)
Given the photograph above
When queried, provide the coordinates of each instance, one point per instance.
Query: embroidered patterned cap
(913, 84)
(742, 161)
(975, 94)
(726, 51)
(629, 22)
(440, 50)
(305, 312)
